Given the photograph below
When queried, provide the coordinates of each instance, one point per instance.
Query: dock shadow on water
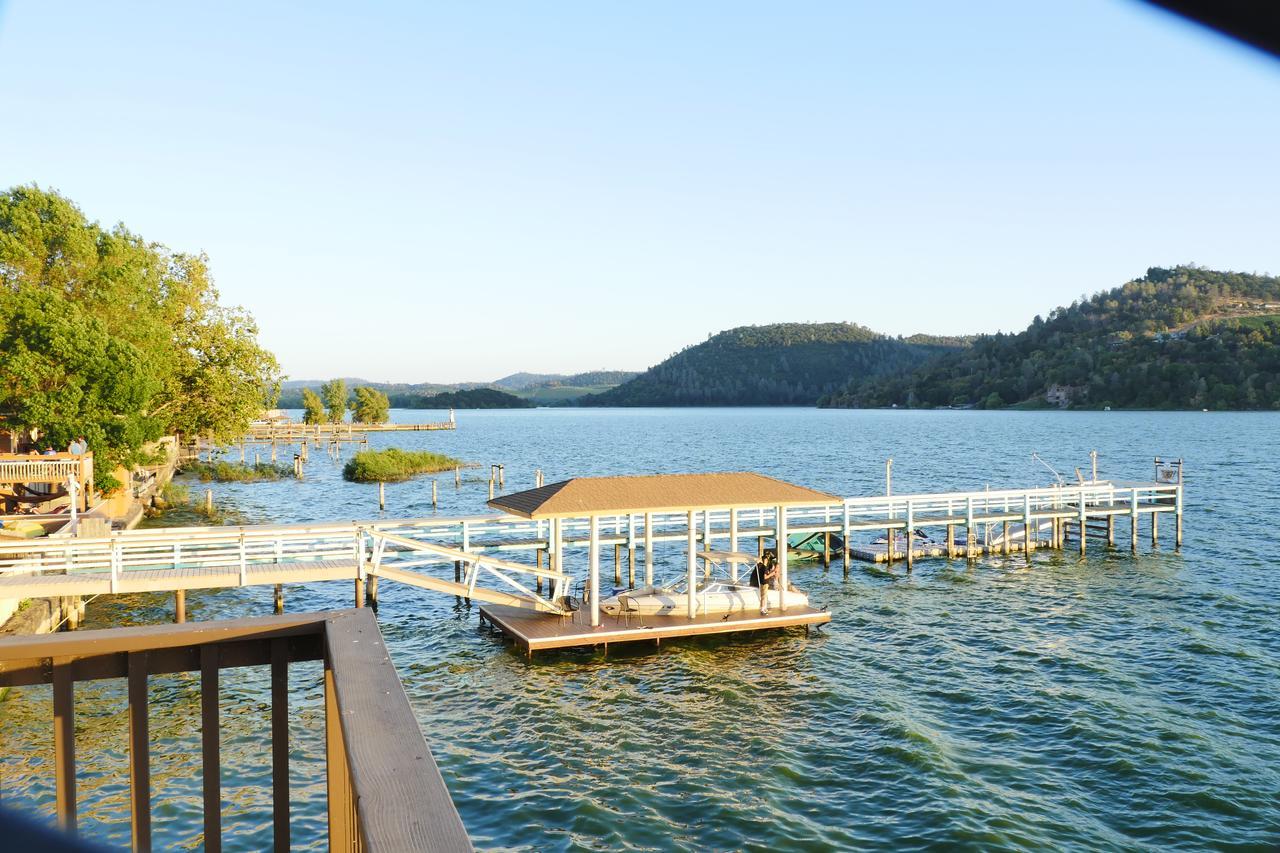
(1113, 701)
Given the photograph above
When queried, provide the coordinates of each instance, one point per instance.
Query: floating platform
(537, 631)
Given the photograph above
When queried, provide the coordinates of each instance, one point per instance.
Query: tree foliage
(782, 364)
(475, 398)
(130, 342)
(334, 395)
(370, 406)
(1184, 337)
(312, 407)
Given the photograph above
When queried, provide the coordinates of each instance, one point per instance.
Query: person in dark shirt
(762, 577)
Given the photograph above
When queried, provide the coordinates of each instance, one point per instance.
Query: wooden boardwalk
(539, 631)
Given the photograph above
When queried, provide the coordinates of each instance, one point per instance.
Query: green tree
(214, 375)
(334, 394)
(312, 407)
(63, 374)
(370, 406)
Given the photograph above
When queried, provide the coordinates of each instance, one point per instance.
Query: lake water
(1106, 702)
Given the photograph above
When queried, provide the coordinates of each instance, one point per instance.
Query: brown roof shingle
(586, 496)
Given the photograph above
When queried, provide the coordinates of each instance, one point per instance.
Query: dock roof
(587, 496)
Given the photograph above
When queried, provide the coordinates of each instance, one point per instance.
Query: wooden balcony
(385, 792)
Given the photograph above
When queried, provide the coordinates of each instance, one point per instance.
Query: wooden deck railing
(54, 468)
(385, 792)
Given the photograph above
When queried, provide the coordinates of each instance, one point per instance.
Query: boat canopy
(583, 497)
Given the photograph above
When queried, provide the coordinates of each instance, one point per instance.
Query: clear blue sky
(455, 191)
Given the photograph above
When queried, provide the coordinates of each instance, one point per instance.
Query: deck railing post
(139, 753)
(64, 743)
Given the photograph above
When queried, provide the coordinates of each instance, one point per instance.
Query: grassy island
(392, 465)
(237, 472)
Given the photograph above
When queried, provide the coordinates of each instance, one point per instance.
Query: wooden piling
(279, 598)
(382, 495)
(371, 593)
(1004, 537)
(208, 501)
(491, 488)
(457, 476)
(1133, 523)
(1111, 531)
(435, 494)
(826, 550)
(1177, 516)
(538, 554)
(617, 563)
(180, 606)
(359, 592)
(951, 541)
(1155, 529)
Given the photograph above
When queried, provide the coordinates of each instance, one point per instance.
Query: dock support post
(1133, 521)
(826, 549)
(888, 545)
(382, 495)
(692, 568)
(593, 582)
(1155, 529)
(1028, 530)
(631, 550)
(180, 606)
(491, 488)
(208, 501)
(783, 582)
(457, 476)
(538, 554)
(279, 598)
(371, 594)
(1111, 530)
(968, 531)
(1004, 536)
(555, 558)
(951, 541)
(733, 542)
(617, 563)
(241, 453)
(1084, 522)
(845, 539)
(1177, 515)
(648, 549)
(911, 546)
(359, 592)
(435, 493)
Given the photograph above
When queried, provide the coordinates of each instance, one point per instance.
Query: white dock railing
(207, 548)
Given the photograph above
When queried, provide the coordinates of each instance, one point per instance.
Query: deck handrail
(385, 791)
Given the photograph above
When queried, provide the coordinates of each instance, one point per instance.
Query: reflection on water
(1098, 702)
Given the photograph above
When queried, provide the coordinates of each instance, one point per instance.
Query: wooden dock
(539, 631)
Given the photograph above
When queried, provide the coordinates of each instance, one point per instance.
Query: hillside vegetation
(476, 398)
(1176, 338)
(781, 364)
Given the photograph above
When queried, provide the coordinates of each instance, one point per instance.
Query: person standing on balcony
(79, 447)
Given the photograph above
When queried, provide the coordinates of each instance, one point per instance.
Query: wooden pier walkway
(479, 549)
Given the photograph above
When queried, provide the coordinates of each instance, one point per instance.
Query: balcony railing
(385, 792)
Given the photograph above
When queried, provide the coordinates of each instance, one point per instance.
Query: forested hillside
(1176, 338)
(782, 364)
(474, 398)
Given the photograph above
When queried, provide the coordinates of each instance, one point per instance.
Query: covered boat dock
(593, 498)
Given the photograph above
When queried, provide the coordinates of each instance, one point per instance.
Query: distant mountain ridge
(778, 364)
(1177, 338)
(538, 388)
